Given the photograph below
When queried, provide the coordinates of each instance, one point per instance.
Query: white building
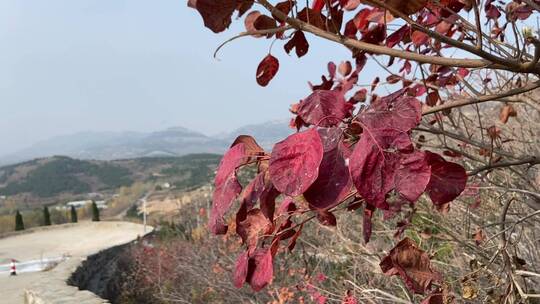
(78, 204)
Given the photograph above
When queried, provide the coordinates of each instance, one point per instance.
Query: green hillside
(50, 177)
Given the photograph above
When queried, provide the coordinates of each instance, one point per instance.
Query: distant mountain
(266, 134)
(175, 141)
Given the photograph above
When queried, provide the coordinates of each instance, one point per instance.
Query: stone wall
(101, 273)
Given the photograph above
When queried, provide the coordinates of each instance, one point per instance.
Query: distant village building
(101, 204)
(94, 195)
(80, 204)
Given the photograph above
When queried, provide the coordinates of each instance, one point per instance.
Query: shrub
(46, 217)
(95, 212)
(73, 215)
(19, 224)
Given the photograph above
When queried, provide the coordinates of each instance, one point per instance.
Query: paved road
(74, 240)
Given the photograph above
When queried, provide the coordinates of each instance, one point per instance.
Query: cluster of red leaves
(341, 153)
(370, 159)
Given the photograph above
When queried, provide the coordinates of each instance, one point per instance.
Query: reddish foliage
(324, 108)
(267, 69)
(447, 180)
(294, 164)
(334, 182)
(255, 225)
(348, 154)
(216, 14)
(299, 43)
(260, 269)
(227, 187)
(241, 269)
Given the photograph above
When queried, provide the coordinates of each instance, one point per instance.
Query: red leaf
(408, 7)
(366, 222)
(351, 5)
(447, 179)
(412, 265)
(332, 69)
(264, 22)
(260, 269)
(432, 98)
(375, 35)
(250, 144)
(349, 299)
(463, 72)
(334, 182)
(268, 200)
(438, 297)
(506, 112)
(241, 270)
(255, 225)
(393, 79)
(413, 175)
(324, 108)
(345, 68)
(492, 12)
(249, 22)
(227, 187)
(361, 19)
(418, 38)
(373, 170)
(494, 132)
(299, 43)
(294, 164)
(479, 237)
(312, 17)
(284, 7)
(318, 5)
(244, 6)
(292, 242)
(395, 111)
(216, 14)
(350, 30)
(326, 218)
(254, 190)
(398, 36)
(376, 157)
(267, 69)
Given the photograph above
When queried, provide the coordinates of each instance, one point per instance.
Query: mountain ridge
(173, 141)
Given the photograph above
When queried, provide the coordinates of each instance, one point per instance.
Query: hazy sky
(69, 66)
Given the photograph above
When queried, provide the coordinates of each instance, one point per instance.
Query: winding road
(66, 244)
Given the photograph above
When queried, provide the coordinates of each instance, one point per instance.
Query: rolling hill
(47, 178)
(176, 141)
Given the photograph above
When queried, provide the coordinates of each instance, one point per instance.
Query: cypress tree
(46, 216)
(19, 224)
(95, 212)
(73, 215)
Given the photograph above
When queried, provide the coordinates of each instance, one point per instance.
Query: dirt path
(75, 240)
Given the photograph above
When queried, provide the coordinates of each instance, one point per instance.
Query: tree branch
(532, 161)
(481, 99)
(382, 50)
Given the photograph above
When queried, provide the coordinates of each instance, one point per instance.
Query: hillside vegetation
(51, 177)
